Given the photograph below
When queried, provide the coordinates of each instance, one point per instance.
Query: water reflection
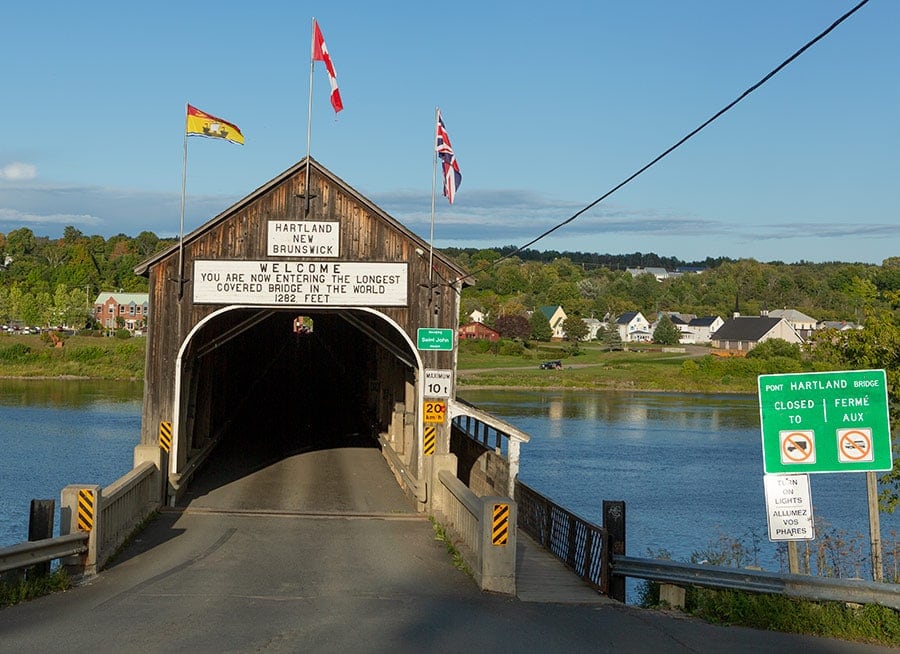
(681, 410)
(71, 393)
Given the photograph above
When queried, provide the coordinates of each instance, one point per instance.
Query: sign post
(828, 422)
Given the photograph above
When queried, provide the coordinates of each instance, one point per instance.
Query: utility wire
(677, 145)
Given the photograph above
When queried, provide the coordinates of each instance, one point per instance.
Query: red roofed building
(478, 331)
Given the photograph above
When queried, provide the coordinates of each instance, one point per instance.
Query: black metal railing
(582, 545)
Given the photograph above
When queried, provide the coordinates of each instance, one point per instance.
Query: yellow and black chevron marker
(165, 436)
(430, 444)
(500, 530)
(85, 509)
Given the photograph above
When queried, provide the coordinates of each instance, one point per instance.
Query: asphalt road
(320, 552)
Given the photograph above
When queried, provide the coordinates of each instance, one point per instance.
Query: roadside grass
(33, 586)
(455, 555)
(869, 623)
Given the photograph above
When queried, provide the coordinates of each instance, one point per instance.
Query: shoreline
(589, 389)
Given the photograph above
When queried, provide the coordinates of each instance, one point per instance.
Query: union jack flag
(452, 176)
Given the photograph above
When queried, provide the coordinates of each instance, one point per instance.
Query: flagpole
(437, 111)
(181, 227)
(312, 62)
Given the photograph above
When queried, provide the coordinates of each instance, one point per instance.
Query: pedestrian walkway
(542, 577)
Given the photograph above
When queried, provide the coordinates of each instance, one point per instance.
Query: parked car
(551, 365)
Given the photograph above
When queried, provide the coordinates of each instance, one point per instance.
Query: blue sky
(548, 106)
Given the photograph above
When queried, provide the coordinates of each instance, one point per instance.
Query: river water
(689, 467)
(54, 433)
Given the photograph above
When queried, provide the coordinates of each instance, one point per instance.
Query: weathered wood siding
(240, 233)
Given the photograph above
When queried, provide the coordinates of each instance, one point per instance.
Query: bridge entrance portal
(289, 322)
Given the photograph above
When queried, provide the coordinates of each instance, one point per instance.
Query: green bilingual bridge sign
(825, 422)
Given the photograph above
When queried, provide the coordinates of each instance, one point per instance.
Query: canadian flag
(320, 53)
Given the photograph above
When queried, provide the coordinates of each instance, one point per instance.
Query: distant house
(476, 316)
(132, 308)
(477, 331)
(556, 317)
(804, 325)
(839, 325)
(681, 322)
(703, 327)
(593, 326)
(743, 333)
(633, 328)
(659, 273)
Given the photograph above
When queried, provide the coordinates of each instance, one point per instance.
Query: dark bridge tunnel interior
(281, 386)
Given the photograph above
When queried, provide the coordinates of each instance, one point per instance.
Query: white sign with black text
(438, 382)
(789, 507)
(300, 283)
(304, 238)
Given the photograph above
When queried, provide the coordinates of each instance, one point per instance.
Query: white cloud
(18, 171)
(13, 217)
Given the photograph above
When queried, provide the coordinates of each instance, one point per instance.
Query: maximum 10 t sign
(825, 422)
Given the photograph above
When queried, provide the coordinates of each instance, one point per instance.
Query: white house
(659, 273)
(556, 317)
(593, 326)
(804, 325)
(633, 328)
(476, 316)
(702, 328)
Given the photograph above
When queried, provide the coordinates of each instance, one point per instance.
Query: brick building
(132, 308)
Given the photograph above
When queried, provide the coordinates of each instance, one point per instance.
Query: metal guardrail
(24, 555)
(790, 585)
(580, 544)
(585, 548)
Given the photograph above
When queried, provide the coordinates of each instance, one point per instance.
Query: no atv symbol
(797, 447)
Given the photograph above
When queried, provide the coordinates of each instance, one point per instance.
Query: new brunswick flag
(204, 124)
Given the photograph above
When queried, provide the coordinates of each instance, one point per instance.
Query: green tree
(513, 326)
(575, 328)
(610, 337)
(666, 333)
(876, 346)
(775, 347)
(540, 326)
(20, 242)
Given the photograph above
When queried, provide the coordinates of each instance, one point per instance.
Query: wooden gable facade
(368, 279)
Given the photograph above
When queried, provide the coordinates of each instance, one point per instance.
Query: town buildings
(129, 311)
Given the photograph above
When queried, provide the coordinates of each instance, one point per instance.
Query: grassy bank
(513, 365)
(80, 356)
(652, 369)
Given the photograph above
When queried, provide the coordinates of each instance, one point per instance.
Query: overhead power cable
(678, 144)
